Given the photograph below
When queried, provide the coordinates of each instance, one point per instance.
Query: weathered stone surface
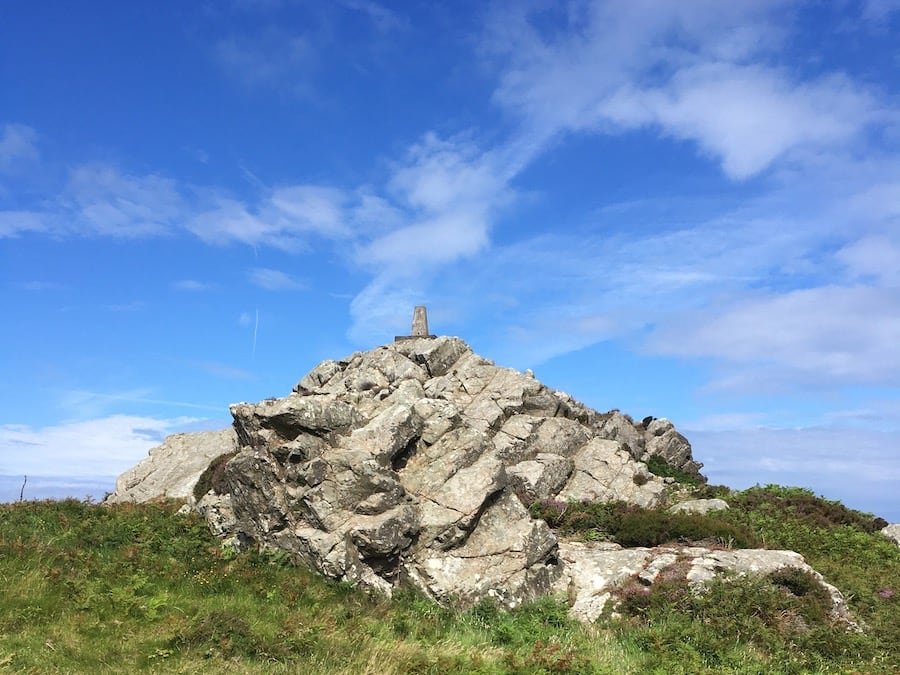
(701, 506)
(605, 471)
(508, 556)
(621, 428)
(595, 573)
(417, 461)
(172, 469)
(660, 439)
(413, 461)
(892, 532)
(541, 477)
(219, 513)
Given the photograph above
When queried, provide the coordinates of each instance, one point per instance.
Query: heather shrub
(660, 467)
(213, 477)
(631, 525)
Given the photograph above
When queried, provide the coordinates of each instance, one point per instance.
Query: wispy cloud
(286, 218)
(880, 11)
(273, 57)
(18, 147)
(191, 285)
(274, 280)
(84, 403)
(383, 18)
(831, 333)
(85, 448)
(686, 69)
(105, 201)
(15, 223)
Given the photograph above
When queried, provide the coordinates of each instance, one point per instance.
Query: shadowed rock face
(173, 468)
(415, 462)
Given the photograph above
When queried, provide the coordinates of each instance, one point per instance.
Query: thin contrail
(255, 329)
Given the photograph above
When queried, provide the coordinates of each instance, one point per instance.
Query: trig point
(419, 325)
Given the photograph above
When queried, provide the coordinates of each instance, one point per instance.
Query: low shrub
(213, 477)
(660, 467)
(793, 630)
(803, 505)
(631, 525)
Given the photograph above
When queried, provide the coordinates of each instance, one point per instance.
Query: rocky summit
(415, 463)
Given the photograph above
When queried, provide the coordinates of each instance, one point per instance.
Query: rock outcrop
(892, 532)
(416, 463)
(173, 468)
(596, 574)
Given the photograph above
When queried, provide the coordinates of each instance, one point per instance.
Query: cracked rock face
(415, 462)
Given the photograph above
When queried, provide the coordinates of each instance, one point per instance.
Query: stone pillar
(420, 322)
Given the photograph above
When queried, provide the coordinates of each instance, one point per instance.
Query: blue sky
(688, 210)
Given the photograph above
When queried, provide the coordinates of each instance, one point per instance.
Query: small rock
(701, 506)
(892, 532)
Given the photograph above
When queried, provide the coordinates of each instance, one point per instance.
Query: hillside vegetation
(130, 588)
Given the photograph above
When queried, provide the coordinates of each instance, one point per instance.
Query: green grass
(660, 467)
(91, 589)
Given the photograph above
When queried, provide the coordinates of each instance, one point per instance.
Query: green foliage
(705, 625)
(631, 525)
(800, 504)
(660, 467)
(213, 477)
(89, 588)
(841, 544)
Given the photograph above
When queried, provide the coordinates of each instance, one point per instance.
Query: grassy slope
(129, 588)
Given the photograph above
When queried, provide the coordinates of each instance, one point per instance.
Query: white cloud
(274, 280)
(383, 19)
(447, 194)
(18, 147)
(308, 208)
(874, 257)
(14, 223)
(107, 202)
(832, 333)
(191, 285)
(746, 116)
(286, 218)
(680, 67)
(93, 447)
(450, 190)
